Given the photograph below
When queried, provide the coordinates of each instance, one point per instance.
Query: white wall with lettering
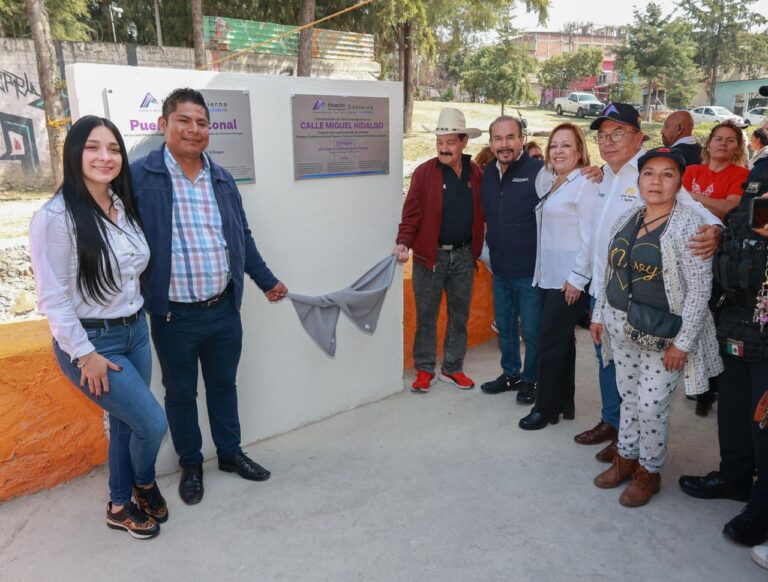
(317, 236)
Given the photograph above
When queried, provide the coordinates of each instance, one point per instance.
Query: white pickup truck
(579, 104)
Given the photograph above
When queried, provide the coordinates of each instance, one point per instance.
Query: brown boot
(607, 454)
(641, 488)
(601, 433)
(620, 470)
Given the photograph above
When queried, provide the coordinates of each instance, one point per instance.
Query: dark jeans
(136, 420)
(515, 298)
(609, 388)
(557, 351)
(454, 272)
(743, 445)
(213, 336)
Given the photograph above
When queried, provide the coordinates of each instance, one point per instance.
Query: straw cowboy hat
(452, 120)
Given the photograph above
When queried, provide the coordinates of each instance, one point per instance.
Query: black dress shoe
(569, 412)
(749, 528)
(527, 393)
(191, 484)
(244, 467)
(501, 384)
(536, 420)
(713, 486)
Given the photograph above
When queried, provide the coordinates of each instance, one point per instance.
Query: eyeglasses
(537, 157)
(614, 137)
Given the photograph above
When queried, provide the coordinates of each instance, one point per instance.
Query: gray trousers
(455, 273)
(646, 389)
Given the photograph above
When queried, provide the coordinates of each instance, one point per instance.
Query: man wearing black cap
(620, 139)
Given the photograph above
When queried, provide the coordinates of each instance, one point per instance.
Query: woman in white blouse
(88, 251)
(563, 270)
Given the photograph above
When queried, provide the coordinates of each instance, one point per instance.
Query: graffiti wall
(23, 136)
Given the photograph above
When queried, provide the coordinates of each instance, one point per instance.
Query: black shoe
(191, 485)
(501, 384)
(527, 393)
(749, 528)
(536, 421)
(713, 486)
(151, 502)
(244, 467)
(569, 412)
(133, 520)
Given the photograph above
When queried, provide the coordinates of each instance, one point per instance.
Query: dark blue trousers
(213, 337)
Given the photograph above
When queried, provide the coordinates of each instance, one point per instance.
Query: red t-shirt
(717, 185)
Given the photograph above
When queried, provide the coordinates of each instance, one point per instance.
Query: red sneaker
(423, 381)
(459, 378)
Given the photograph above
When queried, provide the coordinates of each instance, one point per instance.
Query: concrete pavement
(442, 486)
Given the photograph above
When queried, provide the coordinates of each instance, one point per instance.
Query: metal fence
(230, 35)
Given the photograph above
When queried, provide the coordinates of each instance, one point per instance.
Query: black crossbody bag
(647, 326)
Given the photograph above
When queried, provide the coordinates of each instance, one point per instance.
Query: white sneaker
(760, 556)
(493, 327)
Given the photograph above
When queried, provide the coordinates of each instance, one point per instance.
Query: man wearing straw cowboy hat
(442, 223)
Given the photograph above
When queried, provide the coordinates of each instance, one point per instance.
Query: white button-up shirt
(54, 261)
(564, 219)
(617, 193)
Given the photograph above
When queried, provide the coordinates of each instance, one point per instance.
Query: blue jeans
(136, 420)
(213, 337)
(609, 389)
(515, 297)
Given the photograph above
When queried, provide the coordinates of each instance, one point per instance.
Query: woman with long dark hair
(88, 251)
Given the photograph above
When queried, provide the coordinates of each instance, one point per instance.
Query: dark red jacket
(423, 212)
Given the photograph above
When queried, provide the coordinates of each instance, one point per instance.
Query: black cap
(663, 152)
(764, 90)
(621, 112)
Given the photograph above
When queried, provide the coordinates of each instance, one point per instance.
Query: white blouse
(564, 219)
(54, 261)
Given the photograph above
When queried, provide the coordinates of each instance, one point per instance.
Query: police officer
(741, 275)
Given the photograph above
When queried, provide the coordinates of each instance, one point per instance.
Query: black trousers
(557, 351)
(743, 445)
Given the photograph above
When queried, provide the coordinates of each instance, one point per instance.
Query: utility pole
(158, 28)
(47, 73)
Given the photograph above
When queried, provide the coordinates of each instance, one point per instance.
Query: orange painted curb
(49, 432)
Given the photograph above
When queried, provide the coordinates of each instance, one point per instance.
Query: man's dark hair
(183, 95)
(762, 136)
(502, 118)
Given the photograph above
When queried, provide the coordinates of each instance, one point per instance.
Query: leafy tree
(660, 47)
(627, 90)
(68, 19)
(753, 61)
(718, 25)
(560, 71)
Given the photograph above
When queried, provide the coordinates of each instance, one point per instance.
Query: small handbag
(647, 326)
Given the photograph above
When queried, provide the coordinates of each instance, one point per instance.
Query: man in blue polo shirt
(509, 198)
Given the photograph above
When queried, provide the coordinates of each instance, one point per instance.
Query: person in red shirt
(716, 183)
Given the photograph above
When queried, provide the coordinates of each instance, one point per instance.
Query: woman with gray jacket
(653, 320)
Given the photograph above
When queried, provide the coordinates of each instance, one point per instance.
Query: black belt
(206, 303)
(104, 323)
(455, 247)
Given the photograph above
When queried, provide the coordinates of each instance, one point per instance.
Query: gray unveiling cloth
(361, 301)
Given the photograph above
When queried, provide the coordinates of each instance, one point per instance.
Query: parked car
(579, 104)
(713, 114)
(757, 116)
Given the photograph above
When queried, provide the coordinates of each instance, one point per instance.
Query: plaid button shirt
(199, 256)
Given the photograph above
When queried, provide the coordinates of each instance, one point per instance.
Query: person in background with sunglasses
(534, 150)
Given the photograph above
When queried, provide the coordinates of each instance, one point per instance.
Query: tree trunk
(47, 73)
(407, 78)
(648, 110)
(304, 68)
(712, 86)
(502, 108)
(158, 28)
(197, 33)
